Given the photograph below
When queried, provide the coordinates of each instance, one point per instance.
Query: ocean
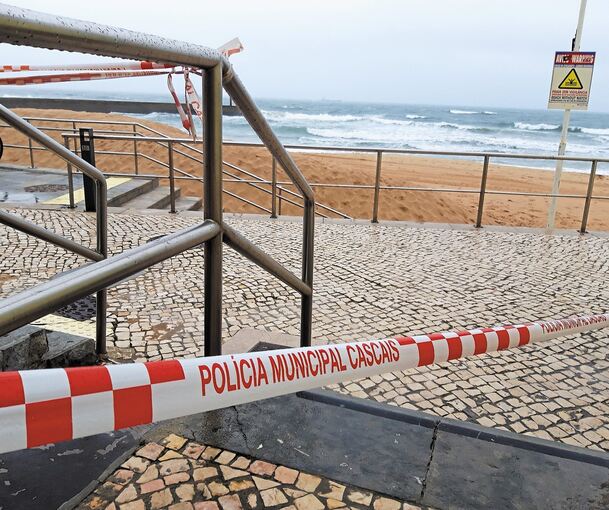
(332, 123)
(426, 127)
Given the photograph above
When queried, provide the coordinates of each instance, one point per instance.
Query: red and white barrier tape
(115, 70)
(110, 66)
(60, 78)
(186, 119)
(231, 47)
(38, 407)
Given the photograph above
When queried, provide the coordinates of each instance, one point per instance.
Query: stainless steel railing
(377, 187)
(27, 306)
(175, 146)
(25, 27)
(101, 215)
(279, 189)
(482, 191)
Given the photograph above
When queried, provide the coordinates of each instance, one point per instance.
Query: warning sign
(571, 80)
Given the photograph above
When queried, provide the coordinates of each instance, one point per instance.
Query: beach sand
(351, 168)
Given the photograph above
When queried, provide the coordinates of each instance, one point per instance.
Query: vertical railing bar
(212, 193)
(29, 142)
(135, 159)
(280, 201)
(274, 188)
(482, 191)
(172, 185)
(588, 201)
(66, 142)
(377, 189)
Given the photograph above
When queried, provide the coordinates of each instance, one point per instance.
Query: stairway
(147, 194)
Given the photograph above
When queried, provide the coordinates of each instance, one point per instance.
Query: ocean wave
(463, 112)
(390, 122)
(414, 116)
(309, 117)
(489, 113)
(464, 127)
(592, 131)
(536, 127)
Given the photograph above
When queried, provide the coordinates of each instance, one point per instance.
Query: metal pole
(212, 198)
(565, 127)
(482, 192)
(66, 142)
(306, 300)
(377, 189)
(172, 186)
(135, 149)
(588, 198)
(280, 202)
(101, 298)
(29, 142)
(274, 189)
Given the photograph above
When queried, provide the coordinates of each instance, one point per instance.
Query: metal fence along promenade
(279, 192)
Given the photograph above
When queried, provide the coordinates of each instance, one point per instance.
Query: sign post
(569, 82)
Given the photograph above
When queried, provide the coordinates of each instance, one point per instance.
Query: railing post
(66, 143)
(306, 301)
(135, 162)
(279, 196)
(172, 186)
(29, 142)
(274, 189)
(377, 187)
(212, 208)
(482, 192)
(588, 198)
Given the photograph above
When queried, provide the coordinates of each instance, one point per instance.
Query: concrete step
(31, 347)
(66, 350)
(23, 349)
(123, 193)
(189, 204)
(158, 198)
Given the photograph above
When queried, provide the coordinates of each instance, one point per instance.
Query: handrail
(163, 140)
(29, 305)
(101, 197)
(182, 141)
(27, 227)
(31, 28)
(423, 152)
(256, 255)
(257, 180)
(24, 27)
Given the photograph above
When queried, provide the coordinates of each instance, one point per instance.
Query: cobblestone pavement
(182, 475)
(373, 281)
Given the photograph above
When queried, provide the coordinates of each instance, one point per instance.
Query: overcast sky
(457, 52)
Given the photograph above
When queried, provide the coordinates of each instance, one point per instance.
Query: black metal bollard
(87, 152)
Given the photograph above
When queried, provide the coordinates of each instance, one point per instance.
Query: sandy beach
(351, 168)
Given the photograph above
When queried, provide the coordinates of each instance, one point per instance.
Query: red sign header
(571, 58)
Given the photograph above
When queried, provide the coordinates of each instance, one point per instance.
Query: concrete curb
(457, 427)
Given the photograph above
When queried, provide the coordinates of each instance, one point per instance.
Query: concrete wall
(99, 106)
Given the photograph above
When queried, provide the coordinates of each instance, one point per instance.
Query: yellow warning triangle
(571, 81)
